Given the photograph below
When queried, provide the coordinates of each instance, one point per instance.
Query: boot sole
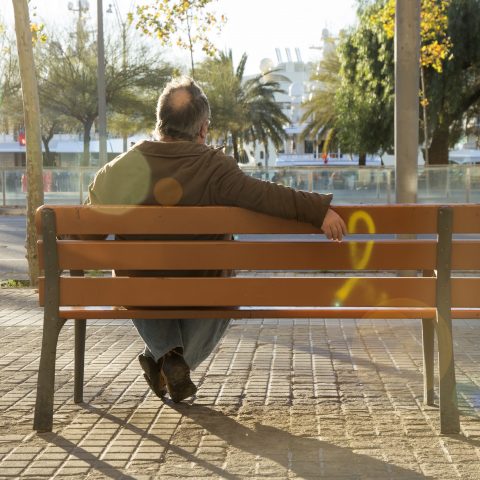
(181, 390)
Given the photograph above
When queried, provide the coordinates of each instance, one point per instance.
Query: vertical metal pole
(428, 171)
(80, 334)
(407, 77)
(310, 180)
(389, 186)
(428, 349)
(449, 420)
(4, 188)
(468, 184)
(428, 341)
(102, 103)
(447, 183)
(80, 185)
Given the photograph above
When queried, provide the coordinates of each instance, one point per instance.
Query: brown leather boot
(176, 375)
(152, 374)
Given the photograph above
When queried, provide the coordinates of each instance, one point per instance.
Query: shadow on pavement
(81, 454)
(189, 457)
(306, 457)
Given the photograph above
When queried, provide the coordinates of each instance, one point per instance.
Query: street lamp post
(102, 103)
(83, 7)
(124, 26)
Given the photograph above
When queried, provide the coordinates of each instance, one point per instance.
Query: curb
(13, 210)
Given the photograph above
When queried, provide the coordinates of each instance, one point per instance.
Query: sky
(255, 27)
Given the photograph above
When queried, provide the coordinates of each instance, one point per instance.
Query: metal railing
(452, 183)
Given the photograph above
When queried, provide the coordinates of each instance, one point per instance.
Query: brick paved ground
(278, 400)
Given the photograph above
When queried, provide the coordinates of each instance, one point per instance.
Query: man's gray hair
(181, 119)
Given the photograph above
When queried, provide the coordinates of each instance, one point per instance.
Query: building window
(308, 146)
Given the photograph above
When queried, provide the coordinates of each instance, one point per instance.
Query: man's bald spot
(179, 98)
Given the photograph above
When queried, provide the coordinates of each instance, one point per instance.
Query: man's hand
(333, 226)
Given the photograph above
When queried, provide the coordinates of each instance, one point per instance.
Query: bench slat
(349, 255)
(112, 313)
(465, 255)
(212, 292)
(352, 255)
(466, 218)
(199, 220)
(246, 312)
(465, 292)
(98, 219)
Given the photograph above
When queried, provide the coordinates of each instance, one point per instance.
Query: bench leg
(428, 339)
(43, 419)
(80, 331)
(449, 419)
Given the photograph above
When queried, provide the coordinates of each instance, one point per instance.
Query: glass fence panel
(60, 186)
(473, 183)
(13, 187)
(86, 180)
(357, 185)
(452, 184)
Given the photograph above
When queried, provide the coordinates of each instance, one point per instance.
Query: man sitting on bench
(178, 168)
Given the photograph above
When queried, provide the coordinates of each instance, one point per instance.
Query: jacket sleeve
(231, 186)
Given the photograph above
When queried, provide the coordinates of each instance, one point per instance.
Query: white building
(298, 87)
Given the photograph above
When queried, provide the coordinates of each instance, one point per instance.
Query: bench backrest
(379, 242)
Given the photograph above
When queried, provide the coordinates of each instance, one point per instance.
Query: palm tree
(243, 109)
(319, 109)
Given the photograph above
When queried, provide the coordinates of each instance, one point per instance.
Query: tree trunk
(48, 161)
(31, 111)
(438, 151)
(362, 159)
(86, 143)
(235, 148)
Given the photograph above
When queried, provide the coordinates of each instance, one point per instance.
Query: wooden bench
(364, 283)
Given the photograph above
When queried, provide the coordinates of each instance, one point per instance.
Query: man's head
(183, 111)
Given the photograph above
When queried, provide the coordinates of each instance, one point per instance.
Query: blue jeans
(197, 337)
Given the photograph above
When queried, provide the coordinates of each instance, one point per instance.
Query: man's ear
(203, 130)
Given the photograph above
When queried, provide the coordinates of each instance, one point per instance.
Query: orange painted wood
(355, 297)
(465, 255)
(466, 218)
(404, 218)
(466, 313)
(214, 292)
(201, 220)
(245, 312)
(112, 313)
(465, 292)
(348, 255)
(125, 220)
